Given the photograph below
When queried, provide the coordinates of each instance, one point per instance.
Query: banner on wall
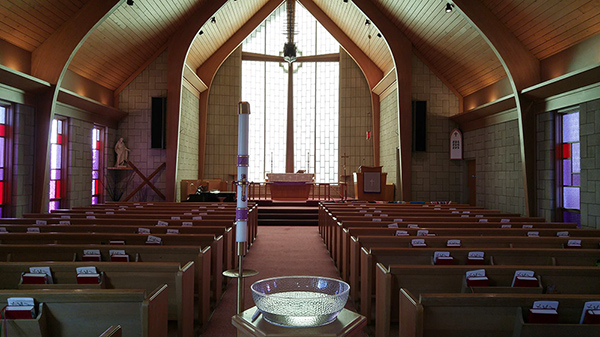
(456, 144)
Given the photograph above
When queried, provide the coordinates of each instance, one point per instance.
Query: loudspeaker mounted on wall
(419, 126)
(158, 123)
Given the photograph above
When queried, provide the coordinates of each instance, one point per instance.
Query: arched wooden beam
(49, 62)
(401, 50)
(178, 47)
(209, 68)
(523, 70)
(371, 71)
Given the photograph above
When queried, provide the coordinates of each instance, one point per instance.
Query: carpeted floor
(277, 251)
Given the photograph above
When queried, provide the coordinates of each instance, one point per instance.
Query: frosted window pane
(94, 200)
(276, 112)
(571, 197)
(55, 156)
(55, 174)
(327, 115)
(95, 159)
(304, 116)
(576, 180)
(253, 92)
(2, 140)
(571, 127)
(2, 115)
(54, 132)
(95, 175)
(53, 205)
(52, 191)
(576, 157)
(567, 172)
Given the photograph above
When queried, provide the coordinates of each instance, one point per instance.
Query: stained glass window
(4, 149)
(57, 151)
(97, 151)
(569, 154)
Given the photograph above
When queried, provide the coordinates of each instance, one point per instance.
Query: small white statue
(122, 153)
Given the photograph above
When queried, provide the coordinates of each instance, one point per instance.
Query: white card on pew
(362, 211)
(187, 223)
(172, 231)
(476, 254)
(33, 230)
(453, 243)
(506, 226)
(3, 230)
(412, 226)
(377, 211)
(455, 212)
(440, 254)
(110, 212)
(65, 217)
(545, 305)
(371, 207)
(591, 305)
(417, 242)
(162, 223)
(203, 213)
(187, 213)
(150, 204)
(376, 219)
(201, 206)
(475, 273)
(42, 270)
(574, 243)
(153, 239)
(479, 215)
(64, 222)
(402, 233)
(90, 217)
(86, 270)
(175, 218)
(143, 230)
(20, 301)
(562, 234)
(466, 212)
(483, 220)
(196, 218)
(397, 220)
(196, 210)
(422, 232)
(384, 215)
(210, 210)
(116, 252)
(89, 212)
(221, 207)
(40, 222)
(425, 205)
(367, 214)
(92, 252)
(504, 220)
(521, 273)
(533, 234)
(527, 226)
(464, 216)
(393, 225)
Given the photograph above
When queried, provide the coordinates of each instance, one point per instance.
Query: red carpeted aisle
(277, 251)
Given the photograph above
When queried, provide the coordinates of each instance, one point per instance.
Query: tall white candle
(242, 173)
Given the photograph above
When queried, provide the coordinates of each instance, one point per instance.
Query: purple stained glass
(53, 205)
(55, 162)
(2, 148)
(94, 187)
(571, 197)
(570, 127)
(52, 191)
(572, 217)
(94, 200)
(567, 172)
(2, 115)
(576, 157)
(1, 174)
(95, 174)
(55, 174)
(576, 180)
(95, 161)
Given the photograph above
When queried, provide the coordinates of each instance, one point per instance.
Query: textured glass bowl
(300, 301)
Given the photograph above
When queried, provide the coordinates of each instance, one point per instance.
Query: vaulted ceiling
(133, 35)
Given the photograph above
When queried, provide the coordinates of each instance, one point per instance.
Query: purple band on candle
(241, 214)
(242, 160)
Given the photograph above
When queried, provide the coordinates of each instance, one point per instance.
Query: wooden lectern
(369, 183)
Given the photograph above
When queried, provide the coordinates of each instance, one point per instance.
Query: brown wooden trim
(43, 117)
(247, 56)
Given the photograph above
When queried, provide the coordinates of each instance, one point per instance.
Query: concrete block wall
(136, 100)
(222, 120)
(434, 175)
(79, 163)
(389, 139)
(589, 136)
(546, 166)
(497, 153)
(187, 162)
(23, 159)
(355, 119)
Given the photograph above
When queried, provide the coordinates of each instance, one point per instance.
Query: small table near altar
(290, 186)
(347, 324)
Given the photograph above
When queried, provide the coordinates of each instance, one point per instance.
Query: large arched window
(314, 107)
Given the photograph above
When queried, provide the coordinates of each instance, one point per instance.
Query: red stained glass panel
(1, 192)
(566, 151)
(58, 189)
(59, 139)
(2, 130)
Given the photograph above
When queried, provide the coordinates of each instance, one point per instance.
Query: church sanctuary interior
(423, 167)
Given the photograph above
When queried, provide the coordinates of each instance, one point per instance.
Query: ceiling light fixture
(289, 48)
(367, 22)
(449, 7)
(213, 20)
(200, 32)
(345, 1)
(130, 2)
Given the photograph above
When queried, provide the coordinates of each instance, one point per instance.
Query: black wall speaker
(419, 126)
(159, 123)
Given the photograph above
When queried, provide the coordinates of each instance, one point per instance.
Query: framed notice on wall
(456, 144)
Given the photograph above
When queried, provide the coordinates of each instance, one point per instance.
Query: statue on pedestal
(122, 153)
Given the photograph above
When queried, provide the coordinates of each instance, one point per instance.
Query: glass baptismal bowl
(300, 301)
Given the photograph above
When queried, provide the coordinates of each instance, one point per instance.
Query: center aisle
(277, 251)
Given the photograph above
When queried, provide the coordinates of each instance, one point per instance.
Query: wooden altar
(290, 186)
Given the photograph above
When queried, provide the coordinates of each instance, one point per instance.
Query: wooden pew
(72, 313)
(493, 315)
(450, 279)
(201, 257)
(364, 285)
(120, 275)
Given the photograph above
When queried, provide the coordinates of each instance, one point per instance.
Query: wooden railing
(319, 191)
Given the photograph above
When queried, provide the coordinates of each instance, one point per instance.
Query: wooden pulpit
(369, 183)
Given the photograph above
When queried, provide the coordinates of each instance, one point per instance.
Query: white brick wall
(80, 163)
(546, 162)
(187, 163)
(389, 141)
(589, 135)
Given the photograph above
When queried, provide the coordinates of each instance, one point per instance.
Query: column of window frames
(97, 151)
(57, 140)
(3, 151)
(571, 167)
